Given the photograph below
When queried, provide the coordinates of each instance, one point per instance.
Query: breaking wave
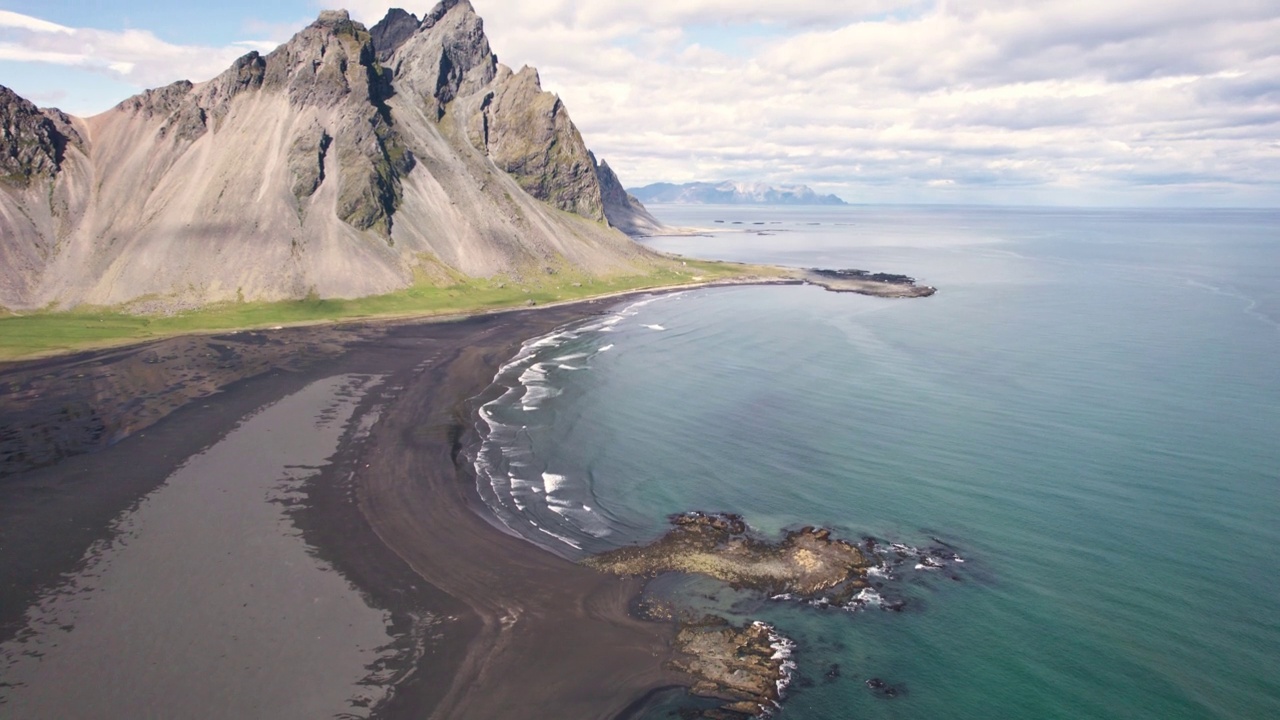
(551, 507)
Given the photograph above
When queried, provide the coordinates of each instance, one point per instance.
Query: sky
(1006, 102)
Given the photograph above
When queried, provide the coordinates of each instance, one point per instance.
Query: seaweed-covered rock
(863, 282)
(748, 668)
(806, 562)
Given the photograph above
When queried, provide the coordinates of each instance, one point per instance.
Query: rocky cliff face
(622, 209)
(343, 164)
(528, 133)
(32, 143)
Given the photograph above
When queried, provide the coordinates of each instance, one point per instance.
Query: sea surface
(1087, 413)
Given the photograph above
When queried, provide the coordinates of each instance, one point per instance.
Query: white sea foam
(505, 454)
(557, 536)
(783, 648)
(553, 482)
(863, 599)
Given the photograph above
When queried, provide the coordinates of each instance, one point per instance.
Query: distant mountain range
(729, 192)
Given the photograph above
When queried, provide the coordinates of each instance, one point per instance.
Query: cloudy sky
(1057, 102)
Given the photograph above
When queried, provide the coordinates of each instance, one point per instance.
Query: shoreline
(397, 513)
(786, 276)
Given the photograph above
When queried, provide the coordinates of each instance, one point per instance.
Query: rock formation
(342, 164)
(622, 209)
(32, 142)
(862, 282)
(748, 668)
(806, 563)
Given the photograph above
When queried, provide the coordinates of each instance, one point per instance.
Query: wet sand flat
(206, 602)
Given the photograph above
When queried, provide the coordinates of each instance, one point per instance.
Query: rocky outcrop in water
(805, 563)
(863, 282)
(749, 668)
(346, 162)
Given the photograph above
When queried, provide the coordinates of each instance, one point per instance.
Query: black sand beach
(480, 624)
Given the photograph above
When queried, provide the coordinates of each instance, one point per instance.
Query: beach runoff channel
(206, 601)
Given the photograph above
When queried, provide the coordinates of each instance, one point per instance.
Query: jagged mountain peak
(329, 59)
(346, 162)
(31, 144)
(392, 31)
(446, 57)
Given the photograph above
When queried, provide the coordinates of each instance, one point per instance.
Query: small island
(863, 282)
(747, 668)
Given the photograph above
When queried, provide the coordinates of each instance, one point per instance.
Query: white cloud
(1096, 94)
(136, 57)
(865, 96)
(26, 22)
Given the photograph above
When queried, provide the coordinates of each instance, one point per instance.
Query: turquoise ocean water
(1088, 411)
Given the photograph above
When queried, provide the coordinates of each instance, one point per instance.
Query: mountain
(733, 193)
(349, 161)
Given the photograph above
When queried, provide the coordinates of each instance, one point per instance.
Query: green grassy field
(44, 333)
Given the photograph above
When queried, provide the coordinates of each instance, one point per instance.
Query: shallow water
(207, 602)
(1088, 411)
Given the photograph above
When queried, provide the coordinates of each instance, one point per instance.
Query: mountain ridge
(730, 192)
(349, 161)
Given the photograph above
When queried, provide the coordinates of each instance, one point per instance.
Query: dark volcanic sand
(517, 632)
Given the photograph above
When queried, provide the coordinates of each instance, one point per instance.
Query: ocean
(1087, 414)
